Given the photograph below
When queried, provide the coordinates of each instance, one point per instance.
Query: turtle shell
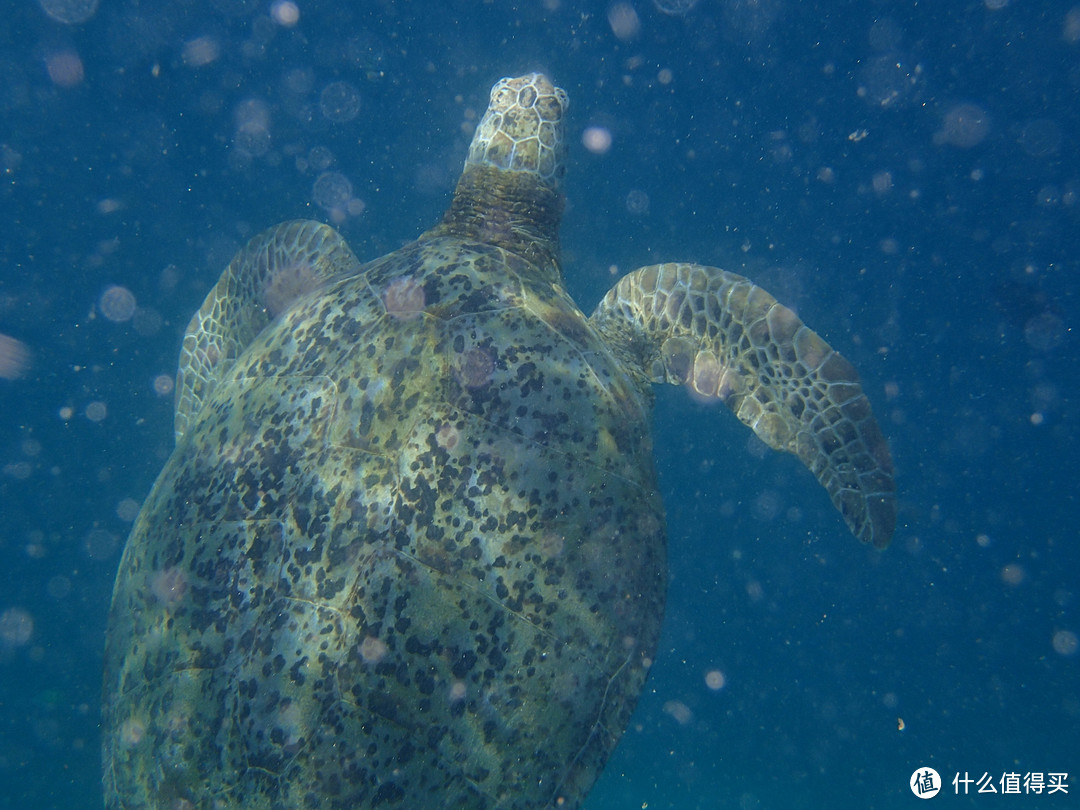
(408, 553)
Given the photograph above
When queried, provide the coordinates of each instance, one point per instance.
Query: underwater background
(905, 175)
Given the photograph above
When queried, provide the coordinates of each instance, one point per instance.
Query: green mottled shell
(409, 551)
(408, 554)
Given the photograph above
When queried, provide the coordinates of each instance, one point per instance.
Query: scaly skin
(409, 551)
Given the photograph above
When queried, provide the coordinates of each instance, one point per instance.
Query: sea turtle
(409, 551)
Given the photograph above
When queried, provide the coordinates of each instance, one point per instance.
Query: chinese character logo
(1011, 782)
(925, 783)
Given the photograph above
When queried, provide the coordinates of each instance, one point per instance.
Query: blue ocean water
(904, 175)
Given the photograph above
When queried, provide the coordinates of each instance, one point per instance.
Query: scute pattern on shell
(381, 547)
(409, 550)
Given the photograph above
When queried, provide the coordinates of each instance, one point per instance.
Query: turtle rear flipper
(275, 269)
(725, 338)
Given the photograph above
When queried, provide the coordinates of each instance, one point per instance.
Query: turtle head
(522, 129)
(508, 194)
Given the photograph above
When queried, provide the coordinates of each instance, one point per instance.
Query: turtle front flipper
(725, 338)
(275, 269)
